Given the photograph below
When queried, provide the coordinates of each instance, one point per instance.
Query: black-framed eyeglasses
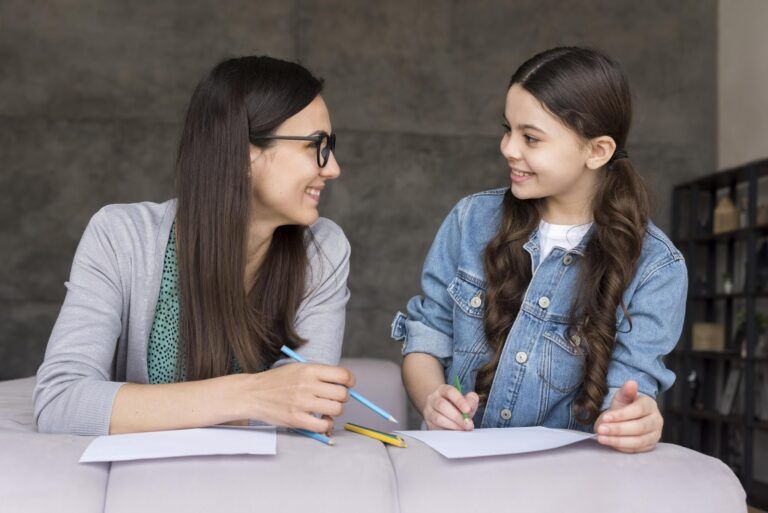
(325, 143)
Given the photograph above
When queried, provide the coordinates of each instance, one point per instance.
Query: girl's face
(546, 158)
(286, 180)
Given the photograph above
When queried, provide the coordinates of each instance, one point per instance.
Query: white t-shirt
(565, 236)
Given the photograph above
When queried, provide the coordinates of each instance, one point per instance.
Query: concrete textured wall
(92, 93)
(742, 76)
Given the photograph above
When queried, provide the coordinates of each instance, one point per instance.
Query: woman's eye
(530, 139)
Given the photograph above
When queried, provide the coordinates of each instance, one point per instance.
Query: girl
(553, 300)
(175, 312)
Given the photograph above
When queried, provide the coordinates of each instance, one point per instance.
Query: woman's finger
(326, 407)
(333, 392)
(312, 423)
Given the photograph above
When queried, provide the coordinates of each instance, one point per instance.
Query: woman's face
(286, 180)
(546, 158)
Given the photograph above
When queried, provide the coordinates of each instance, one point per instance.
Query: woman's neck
(259, 237)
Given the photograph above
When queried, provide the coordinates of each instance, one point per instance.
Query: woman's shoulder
(134, 220)
(328, 243)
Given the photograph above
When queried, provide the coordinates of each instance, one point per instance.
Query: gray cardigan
(99, 341)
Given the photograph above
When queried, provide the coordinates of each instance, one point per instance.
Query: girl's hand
(633, 422)
(444, 407)
(289, 395)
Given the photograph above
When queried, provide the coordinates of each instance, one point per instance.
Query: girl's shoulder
(658, 252)
(481, 209)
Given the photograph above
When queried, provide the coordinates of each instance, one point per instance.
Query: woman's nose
(331, 169)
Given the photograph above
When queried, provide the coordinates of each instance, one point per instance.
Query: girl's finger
(629, 427)
(455, 397)
(630, 443)
(640, 408)
(449, 410)
(442, 422)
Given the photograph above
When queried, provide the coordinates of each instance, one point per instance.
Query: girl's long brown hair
(239, 100)
(588, 92)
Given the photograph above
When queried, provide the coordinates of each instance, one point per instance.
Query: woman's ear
(600, 151)
(255, 154)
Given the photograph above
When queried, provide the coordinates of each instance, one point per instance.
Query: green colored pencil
(457, 384)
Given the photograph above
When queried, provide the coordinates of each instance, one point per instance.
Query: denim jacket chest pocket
(562, 359)
(470, 349)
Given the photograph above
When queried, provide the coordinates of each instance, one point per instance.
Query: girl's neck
(570, 213)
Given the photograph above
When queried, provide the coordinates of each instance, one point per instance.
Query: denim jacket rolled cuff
(612, 392)
(417, 337)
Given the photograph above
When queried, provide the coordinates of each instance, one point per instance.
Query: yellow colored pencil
(395, 440)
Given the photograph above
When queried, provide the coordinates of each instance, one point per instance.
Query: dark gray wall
(92, 93)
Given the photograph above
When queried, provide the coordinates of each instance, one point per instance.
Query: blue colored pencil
(355, 395)
(317, 436)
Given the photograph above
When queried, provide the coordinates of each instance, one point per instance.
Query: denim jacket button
(567, 259)
(544, 302)
(576, 340)
(475, 302)
(506, 414)
(521, 357)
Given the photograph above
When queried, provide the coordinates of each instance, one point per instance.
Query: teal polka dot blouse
(163, 348)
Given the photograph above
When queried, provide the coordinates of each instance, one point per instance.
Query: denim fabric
(541, 367)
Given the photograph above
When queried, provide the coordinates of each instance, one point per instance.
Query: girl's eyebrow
(530, 127)
(524, 126)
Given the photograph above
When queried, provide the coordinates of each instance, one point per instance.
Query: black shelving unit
(691, 413)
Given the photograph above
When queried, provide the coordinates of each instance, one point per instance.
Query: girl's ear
(600, 151)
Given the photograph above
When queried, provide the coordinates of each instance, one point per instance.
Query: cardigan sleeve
(74, 391)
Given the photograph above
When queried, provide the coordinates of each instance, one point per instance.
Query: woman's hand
(289, 395)
(633, 422)
(444, 407)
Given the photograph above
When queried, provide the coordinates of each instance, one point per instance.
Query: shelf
(734, 295)
(759, 495)
(717, 355)
(709, 415)
(728, 177)
(741, 233)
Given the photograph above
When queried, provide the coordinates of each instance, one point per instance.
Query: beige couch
(40, 473)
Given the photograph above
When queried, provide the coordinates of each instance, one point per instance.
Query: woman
(175, 313)
(552, 300)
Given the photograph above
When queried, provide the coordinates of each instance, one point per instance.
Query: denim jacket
(541, 369)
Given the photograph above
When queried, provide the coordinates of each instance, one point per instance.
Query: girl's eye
(506, 127)
(530, 139)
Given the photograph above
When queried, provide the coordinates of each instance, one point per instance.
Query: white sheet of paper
(182, 442)
(496, 441)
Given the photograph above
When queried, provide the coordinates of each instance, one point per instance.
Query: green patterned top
(163, 347)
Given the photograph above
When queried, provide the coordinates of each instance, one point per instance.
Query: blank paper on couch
(497, 441)
(175, 443)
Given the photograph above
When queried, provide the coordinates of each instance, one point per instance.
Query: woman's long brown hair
(589, 93)
(239, 100)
